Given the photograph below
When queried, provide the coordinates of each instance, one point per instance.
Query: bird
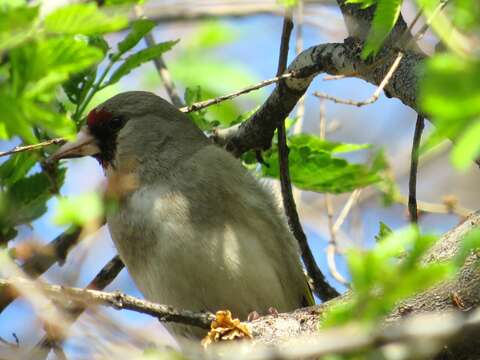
(195, 229)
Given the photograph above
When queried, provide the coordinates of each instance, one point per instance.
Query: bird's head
(136, 125)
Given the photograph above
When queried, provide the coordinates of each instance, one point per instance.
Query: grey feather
(198, 231)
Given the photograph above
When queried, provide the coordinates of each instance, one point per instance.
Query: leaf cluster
(50, 69)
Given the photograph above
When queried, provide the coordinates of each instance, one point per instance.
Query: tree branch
(321, 287)
(116, 300)
(335, 59)
(412, 183)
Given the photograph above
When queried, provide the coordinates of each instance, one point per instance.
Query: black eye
(115, 123)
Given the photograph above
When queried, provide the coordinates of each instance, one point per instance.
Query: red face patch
(96, 117)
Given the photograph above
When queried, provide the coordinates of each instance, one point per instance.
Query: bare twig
(116, 300)
(346, 209)
(375, 95)
(412, 183)
(298, 49)
(161, 66)
(321, 287)
(203, 104)
(32, 147)
(332, 243)
(186, 109)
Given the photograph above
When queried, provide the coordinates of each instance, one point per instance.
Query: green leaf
(84, 19)
(313, 168)
(191, 96)
(210, 34)
(383, 232)
(386, 15)
(25, 200)
(470, 242)
(79, 210)
(468, 147)
(380, 280)
(364, 3)
(123, 2)
(16, 25)
(43, 64)
(135, 60)
(138, 30)
(450, 94)
(450, 89)
(16, 167)
(314, 143)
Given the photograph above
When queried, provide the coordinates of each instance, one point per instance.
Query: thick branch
(335, 59)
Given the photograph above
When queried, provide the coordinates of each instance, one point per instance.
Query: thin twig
(412, 182)
(17, 149)
(346, 209)
(186, 109)
(298, 49)
(116, 300)
(203, 104)
(161, 66)
(332, 243)
(321, 287)
(375, 95)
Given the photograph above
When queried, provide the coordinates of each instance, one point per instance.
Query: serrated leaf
(137, 59)
(314, 143)
(384, 19)
(43, 64)
(84, 19)
(16, 25)
(138, 30)
(16, 167)
(312, 166)
(26, 199)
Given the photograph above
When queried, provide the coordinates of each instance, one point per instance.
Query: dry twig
(375, 95)
(116, 300)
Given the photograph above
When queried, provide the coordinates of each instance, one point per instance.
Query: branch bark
(117, 300)
(335, 59)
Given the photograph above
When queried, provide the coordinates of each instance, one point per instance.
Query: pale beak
(84, 145)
